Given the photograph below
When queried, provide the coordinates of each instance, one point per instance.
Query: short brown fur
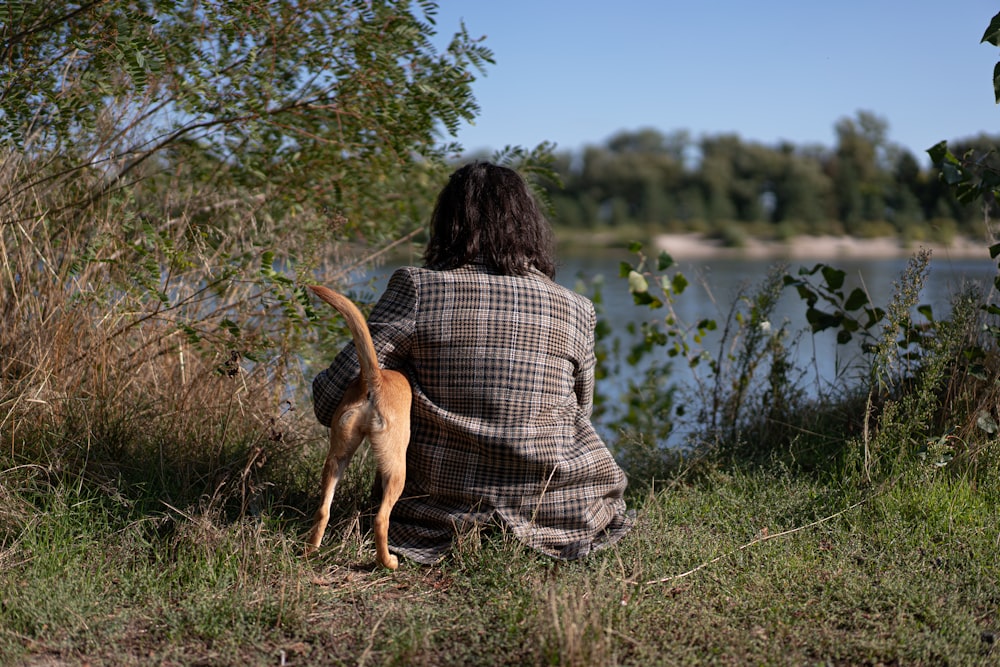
(376, 405)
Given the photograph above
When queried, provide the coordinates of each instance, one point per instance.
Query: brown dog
(377, 406)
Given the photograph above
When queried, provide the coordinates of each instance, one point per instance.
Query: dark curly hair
(487, 213)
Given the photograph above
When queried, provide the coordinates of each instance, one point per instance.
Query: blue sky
(576, 72)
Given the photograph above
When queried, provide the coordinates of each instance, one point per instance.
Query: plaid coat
(502, 370)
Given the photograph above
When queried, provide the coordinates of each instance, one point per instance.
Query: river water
(715, 284)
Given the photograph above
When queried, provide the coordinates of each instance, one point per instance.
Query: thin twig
(368, 259)
(751, 543)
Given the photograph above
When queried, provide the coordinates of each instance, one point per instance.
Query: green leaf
(857, 299)
(637, 283)
(875, 315)
(994, 250)
(303, 297)
(679, 283)
(990, 177)
(834, 277)
(664, 261)
(646, 299)
(992, 34)
(820, 321)
(938, 152)
(849, 324)
(192, 334)
(806, 293)
(624, 268)
(966, 193)
(267, 261)
(634, 246)
(952, 173)
(15, 9)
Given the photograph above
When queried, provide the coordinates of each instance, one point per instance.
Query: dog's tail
(371, 378)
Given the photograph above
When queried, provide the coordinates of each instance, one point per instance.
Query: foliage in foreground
(918, 385)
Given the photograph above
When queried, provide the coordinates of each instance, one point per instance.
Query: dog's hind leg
(390, 436)
(345, 437)
(392, 468)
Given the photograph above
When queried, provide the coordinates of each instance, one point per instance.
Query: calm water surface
(715, 285)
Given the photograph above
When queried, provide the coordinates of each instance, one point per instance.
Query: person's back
(498, 351)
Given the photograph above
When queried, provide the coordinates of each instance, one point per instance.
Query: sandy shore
(821, 248)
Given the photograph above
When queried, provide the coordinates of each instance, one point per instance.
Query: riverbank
(698, 246)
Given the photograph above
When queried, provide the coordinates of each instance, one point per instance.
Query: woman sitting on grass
(501, 362)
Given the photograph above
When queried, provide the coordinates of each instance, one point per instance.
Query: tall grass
(147, 356)
(929, 384)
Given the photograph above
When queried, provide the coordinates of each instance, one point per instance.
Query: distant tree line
(727, 187)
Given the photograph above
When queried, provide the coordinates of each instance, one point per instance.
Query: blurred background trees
(729, 187)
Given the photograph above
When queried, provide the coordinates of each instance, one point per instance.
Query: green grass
(904, 574)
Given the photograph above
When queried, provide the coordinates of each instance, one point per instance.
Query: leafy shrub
(928, 384)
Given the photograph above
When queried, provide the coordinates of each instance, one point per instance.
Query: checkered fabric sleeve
(502, 371)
